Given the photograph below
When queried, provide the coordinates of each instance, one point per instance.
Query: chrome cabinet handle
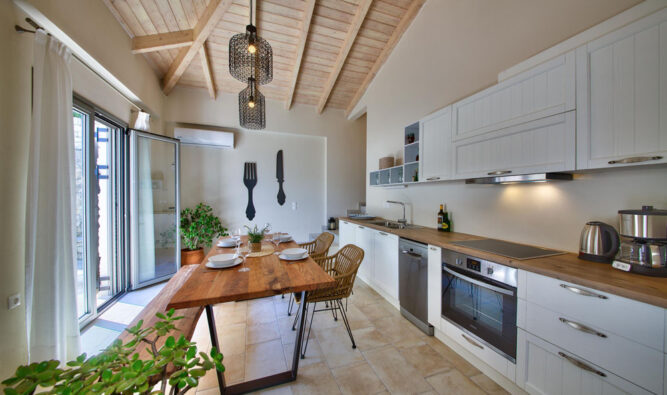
(412, 254)
(474, 343)
(581, 365)
(345, 222)
(582, 292)
(433, 248)
(499, 172)
(432, 178)
(383, 234)
(634, 159)
(361, 227)
(581, 327)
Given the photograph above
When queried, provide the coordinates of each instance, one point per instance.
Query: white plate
(285, 239)
(283, 257)
(215, 265)
(223, 259)
(294, 253)
(226, 243)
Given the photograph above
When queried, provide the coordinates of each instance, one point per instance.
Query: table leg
(214, 342)
(299, 336)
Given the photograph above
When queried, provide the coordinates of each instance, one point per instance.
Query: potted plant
(120, 370)
(198, 229)
(255, 237)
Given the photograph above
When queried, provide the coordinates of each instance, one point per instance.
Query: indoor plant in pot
(255, 236)
(198, 229)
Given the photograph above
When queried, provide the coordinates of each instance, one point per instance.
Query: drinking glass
(243, 253)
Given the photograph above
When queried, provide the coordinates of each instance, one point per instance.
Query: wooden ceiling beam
(208, 73)
(403, 25)
(162, 41)
(201, 31)
(359, 17)
(305, 27)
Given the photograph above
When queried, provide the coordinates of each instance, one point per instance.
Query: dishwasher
(412, 283)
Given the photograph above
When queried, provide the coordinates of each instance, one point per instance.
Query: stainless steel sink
(393, 224)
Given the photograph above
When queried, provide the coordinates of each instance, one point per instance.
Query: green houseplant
(255, 236)
(198, 229)
(119, 368)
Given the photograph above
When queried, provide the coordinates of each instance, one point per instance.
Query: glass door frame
(134, 134)
(91, 242)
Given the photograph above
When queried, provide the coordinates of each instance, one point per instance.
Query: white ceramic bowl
(222, 259)
(294, 253)
(231, 242)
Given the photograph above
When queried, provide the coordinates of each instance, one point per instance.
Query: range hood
(520, 178)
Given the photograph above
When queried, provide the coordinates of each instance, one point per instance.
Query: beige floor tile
(395, 372)
(356, 318)
(376, 311)
(313, 353)
(337, 347)
(324, 319)
(369, 338)
(234, 373)
(489, 386)
(400, 332)
(211, 391)
(358, 378)
(261, 312)
(262, 332)
(232, 339)
(315, 379)
(425, 359)
(454, 382)
(285, 389)
(264, 359)
(457, 361)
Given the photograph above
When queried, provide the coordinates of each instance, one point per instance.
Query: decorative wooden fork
(250, 180)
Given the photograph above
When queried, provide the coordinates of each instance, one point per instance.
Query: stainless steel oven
(480, 297)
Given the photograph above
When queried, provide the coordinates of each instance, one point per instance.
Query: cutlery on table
(250, 180)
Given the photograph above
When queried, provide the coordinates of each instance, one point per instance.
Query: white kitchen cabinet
(346, 233)
(434, 285)
(622, 96)
(545, 90)
(385, 265)
(365, 238)
(545, 369)
(436, 146)
(544, 145)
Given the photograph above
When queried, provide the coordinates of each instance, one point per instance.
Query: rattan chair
(318, 249)
(343, 267)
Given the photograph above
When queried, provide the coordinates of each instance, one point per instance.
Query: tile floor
(392, 355)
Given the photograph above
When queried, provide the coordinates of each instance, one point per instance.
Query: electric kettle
(599, 242)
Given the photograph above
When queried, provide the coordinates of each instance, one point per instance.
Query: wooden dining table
(268, 275)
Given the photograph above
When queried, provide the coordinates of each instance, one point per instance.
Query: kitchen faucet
(400, 221)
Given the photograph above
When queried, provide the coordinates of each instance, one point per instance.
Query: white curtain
(51, 315)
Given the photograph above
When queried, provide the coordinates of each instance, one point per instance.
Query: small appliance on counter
(643, 247)
(598, 243)
(332, 224)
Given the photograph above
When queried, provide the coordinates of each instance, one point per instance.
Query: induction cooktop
(510, 250)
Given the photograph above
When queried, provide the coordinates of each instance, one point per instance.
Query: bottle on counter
(441, 216)
(446, 225)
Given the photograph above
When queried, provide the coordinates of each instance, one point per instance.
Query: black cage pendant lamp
(250, 56)
(252, 111)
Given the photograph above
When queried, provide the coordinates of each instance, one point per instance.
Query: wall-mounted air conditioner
(209, 138)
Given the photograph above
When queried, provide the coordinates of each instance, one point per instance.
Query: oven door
(483, 307)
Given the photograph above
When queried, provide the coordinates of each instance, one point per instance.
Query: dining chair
(342, 266)
(318, 249)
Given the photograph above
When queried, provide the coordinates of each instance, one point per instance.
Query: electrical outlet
(294, 206)
(14, 301)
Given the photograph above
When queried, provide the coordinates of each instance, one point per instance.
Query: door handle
(581, 327)
(474, 343)
(412, 254)
(582, 292)
(479, 283)
(499, 172)
(634, 159)
(581, 364)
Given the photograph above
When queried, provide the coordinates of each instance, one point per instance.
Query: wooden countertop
(566, 267)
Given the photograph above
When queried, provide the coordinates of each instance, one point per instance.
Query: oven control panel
(499, 272)
(474, 265)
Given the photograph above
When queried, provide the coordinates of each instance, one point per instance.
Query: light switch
(294, 206)
(14, 301)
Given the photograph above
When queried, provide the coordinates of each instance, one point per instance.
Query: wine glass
(243, 253)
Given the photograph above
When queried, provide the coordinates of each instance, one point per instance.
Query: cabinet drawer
(545, 369)
(640, 322)
(635, 362)
(544, 145)
(480, 350)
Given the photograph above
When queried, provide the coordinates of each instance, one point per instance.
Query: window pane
(105, 266)
(80, 122)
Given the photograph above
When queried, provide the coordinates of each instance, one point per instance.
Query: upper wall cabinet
(622, 96)
(545, 90)
(436, 145)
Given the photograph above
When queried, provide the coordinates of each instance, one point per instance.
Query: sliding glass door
(100, 227)
(155, 208)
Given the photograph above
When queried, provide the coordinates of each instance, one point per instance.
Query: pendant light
(250, 56)
(252, 112)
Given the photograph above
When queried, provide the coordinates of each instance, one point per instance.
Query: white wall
(345, 141)
(215, 176)
(455, 48)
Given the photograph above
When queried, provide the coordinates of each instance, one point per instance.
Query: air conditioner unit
(209, 138)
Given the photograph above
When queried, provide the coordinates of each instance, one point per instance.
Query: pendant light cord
(251, 13)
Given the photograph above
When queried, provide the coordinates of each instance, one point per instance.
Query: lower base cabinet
(385, 265)
(545, 369)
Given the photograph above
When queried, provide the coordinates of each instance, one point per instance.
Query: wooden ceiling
(325, 52)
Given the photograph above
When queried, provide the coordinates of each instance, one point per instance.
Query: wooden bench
(185, 326)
